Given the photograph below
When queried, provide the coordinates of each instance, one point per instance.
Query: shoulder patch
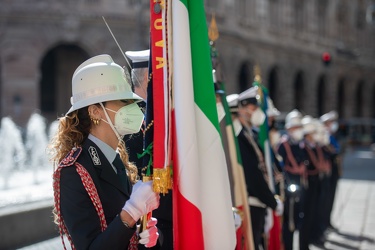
(94, 156)
(71, 157)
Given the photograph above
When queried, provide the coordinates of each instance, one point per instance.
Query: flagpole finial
(213, 32)
(257, 73)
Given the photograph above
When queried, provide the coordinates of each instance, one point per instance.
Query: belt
(255, 202)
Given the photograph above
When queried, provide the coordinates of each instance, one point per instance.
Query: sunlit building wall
(42, 42)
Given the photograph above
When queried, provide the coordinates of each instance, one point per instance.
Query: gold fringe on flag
(162, 180)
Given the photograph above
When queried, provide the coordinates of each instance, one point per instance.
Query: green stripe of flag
(263, 129)
(204, 93)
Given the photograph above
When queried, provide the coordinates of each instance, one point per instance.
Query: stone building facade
(42, 42)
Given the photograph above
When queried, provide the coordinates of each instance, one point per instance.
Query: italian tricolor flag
(203, 217)
(274, 234)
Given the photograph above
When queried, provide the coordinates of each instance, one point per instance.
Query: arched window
(359, 100)
(321, 100)
(272, 85)
(298, 91)
(341, 98)
(246, 76)
(57, 68)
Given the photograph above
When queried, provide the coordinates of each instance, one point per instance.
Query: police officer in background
(272, 113)
(309, 231)
(250, 117)
(139, 76)
(321, 138)
(139, 71)
(140, 79)
(295, 162)
(275, 137)
(330, 121)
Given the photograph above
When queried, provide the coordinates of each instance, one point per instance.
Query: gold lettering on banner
(159, 43)
(161, 2)
(158, 24)
(161, 62)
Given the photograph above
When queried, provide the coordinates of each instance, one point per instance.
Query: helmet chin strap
(109, 122)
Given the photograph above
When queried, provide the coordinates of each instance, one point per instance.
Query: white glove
(279, 208)
(237, 220)
(150, 236)
(142, 200)
(268, 223)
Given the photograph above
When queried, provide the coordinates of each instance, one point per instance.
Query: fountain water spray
(36, 144)
(13, 154)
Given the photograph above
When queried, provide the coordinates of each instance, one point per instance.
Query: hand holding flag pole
(148, 176)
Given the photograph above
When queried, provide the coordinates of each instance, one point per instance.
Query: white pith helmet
(99, 79)
(330, 116)
(321, 133)
(232, 101)
(272, 111)
(139, 59)
(293, 119)
(309, 125)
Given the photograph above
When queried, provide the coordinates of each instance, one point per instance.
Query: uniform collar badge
(94, 156)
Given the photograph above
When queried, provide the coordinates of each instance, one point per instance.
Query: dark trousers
(293, 210)
(333, 179)
(292, 219)
(309, 208)
(320, 213)
(257, 223)
(325, 197)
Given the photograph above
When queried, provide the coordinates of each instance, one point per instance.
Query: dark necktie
(121, 172)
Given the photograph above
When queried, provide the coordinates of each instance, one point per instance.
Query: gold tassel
(162, 180)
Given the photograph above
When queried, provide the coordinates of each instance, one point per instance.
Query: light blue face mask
(334, 127)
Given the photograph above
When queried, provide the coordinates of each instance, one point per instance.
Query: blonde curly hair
(73, 130)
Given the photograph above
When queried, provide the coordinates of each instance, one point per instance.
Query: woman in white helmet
(95, 203)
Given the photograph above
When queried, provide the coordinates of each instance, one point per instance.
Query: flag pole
(263, 135)
(240, 206)
(272, 237)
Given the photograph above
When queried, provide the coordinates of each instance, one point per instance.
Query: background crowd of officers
(305, 165)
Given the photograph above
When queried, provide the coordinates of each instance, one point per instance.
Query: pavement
(353, 213)
(353, 216)
(52, 244)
